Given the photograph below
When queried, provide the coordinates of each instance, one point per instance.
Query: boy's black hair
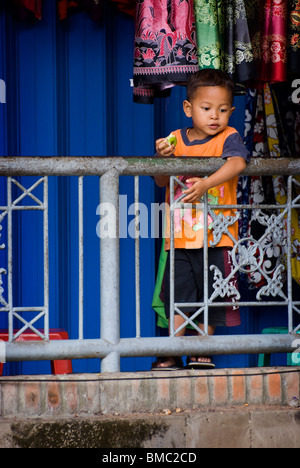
(209, 77)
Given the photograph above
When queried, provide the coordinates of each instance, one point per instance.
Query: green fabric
(209, 30)
(157, 303)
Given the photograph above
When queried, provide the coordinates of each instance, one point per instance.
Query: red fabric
(165, 47)
(273, 41)
(126, 6)
(63, 6)
(35, 6)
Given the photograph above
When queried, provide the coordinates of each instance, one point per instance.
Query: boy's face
(210, 110)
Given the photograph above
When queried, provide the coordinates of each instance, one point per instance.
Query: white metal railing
(109, 347)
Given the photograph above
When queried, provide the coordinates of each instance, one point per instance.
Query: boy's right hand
(163, 148)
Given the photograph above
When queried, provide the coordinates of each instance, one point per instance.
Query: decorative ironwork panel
(19, 202)
(249, 256)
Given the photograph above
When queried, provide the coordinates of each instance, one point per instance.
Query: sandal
(178, 364)
(199, 364)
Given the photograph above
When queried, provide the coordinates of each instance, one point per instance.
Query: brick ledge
(147, 392)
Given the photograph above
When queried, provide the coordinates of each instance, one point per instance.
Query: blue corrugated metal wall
(68, 93)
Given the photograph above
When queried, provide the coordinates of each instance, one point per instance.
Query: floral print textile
(294, 36)
(273, 41)
(165, 50)
(223, 39)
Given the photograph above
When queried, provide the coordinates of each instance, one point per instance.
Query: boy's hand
(233, 167)
(163, 148)
(196, 191)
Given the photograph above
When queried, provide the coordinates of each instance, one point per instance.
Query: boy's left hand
(196, 191)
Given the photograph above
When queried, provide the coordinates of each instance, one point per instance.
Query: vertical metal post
(80, 254)
(205, 264)
(10, 259)
(110, 269)
(172, 259)
(46, 260)
(289, 255)
(137, 258)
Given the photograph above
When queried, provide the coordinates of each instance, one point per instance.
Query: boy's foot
(167, 363)
(197, 362)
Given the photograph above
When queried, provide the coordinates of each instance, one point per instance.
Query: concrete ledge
(241, 427)
(147, 392)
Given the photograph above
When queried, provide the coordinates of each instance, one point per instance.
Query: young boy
(210, 104)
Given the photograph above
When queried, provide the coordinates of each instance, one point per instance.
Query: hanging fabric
(266, 143)
(294, 36)
(93, 7)
(158, 296)
(281, 198)
(223, 38)
(271, 124)
(273, 41)
(260, 144)
(280, 188)
(34, 6)
(126, 6)
(165, 47)
(243, 190)
(209, 16)
(287, 119)
(239, 59)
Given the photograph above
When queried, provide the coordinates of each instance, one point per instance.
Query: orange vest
(189, 222)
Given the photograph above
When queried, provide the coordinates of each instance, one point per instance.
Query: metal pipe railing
(84, 166)
(109, 347)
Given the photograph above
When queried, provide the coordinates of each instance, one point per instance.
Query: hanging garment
(294, 36)
(287, 121)
(260, 144)
(238, 55)
(280, 190)
(35, 6)
(273, 41)
(223, 38)
(256, 231)
(271, 124)
(158, 296)
(126, 6)
(297, 135)
(63, 7)
(209, 16)
(243, 190)
(93, 7)
(165, 47)
(266, 142)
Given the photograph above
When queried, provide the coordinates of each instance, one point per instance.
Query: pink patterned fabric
(165, 50)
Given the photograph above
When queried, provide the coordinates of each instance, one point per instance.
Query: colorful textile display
(223, 38)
